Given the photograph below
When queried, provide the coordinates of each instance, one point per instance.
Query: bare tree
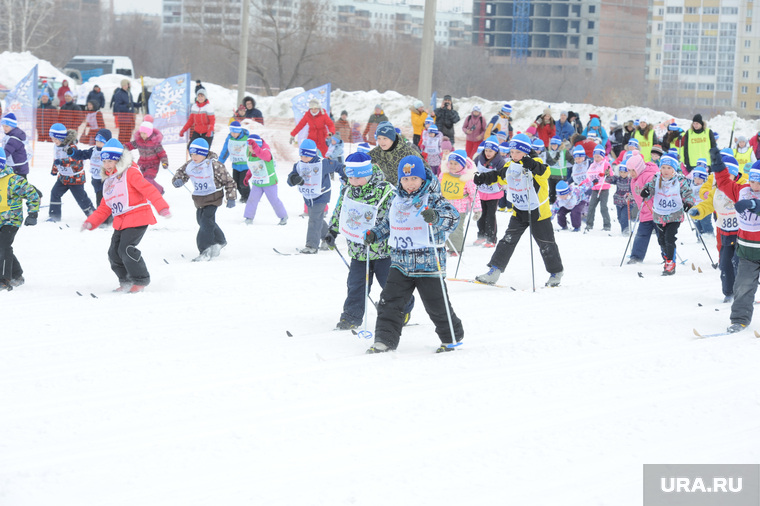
(29, 24)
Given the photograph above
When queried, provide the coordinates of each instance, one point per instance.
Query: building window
(660, 11)
(590, 41)
(748, 28)
(659, 27)
(745, 74)
(743, 105)
(757, 105)
(729, 10)
(746, 58)
(591, 9)
(657, 72)
(710, 10)
(590, 25)
(747, 43)
(692, 10)
(744, 90)
(675, 10)
(589, 56)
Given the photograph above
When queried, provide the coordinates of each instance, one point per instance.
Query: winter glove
(716, 160)
(178, 183)
(165, 213)
(247, 178)
(528, 163)
(182, 132)
(693, 212)
(330, 238)
(164, 165)
(230, 204)
(686, 207)
(370, 237)
(645, 193)
(488, 177)
(70, 150)
(86, 226)
(292, 140)
(295, 180)
(745, 205)
(31, 220)
(477, 178)
(595, 181)
(430, 215)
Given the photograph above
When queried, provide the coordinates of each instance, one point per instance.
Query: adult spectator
(575, 121)
(124, 111)
(446, 117)
(563, 128)
(375, 119)
(198, 86)
(474, 127)
(247, 110)
(202, 120)
(320, 125)
(595, 125)
(545, 126)
(645, 135)
(696, 142)
(419, 114)
(97, 96)
(47, 116)
(389, 151)
(70, 113)
(62, 91)
(343, 127)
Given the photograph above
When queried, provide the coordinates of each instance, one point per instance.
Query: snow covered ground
(192, 392)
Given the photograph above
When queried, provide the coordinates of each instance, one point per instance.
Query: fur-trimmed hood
(467, 173)
(71, 137)
(122, 165)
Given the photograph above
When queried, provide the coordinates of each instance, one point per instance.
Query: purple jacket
(15, 151)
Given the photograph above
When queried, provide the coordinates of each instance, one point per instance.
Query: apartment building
(705, 53)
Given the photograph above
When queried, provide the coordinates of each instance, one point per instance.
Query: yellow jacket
(540, 184)
(707, 193)
(418, 121)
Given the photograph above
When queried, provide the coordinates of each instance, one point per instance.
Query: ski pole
(731, 139)
(714, 265)
(366, 334)
(349, 268)
(464, 239)
(453, 343)
(530, 230)
(183, 184)
(633, 229)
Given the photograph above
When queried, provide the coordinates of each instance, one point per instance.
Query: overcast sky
(144, 6)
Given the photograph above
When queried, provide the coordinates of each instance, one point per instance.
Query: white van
(82, 68)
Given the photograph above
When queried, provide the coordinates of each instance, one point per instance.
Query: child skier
(555, 159)
(747, 205)
(13, 189)
(70, 172)
(457, 187)
(210, 180)
(623, 199)
(671, 195)
(311, 174)
(236, 149)
(488, 161)
(335, 148)
(569, 201)
(147, 141)
(697, 178)
(641, 173)
(418, 211)
(431, 148)
(596, 175)
(712, 199)
(261, 172)
(527, 181)
(96, 163)
(127, 196)
(365, 200)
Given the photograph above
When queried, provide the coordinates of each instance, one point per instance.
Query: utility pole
(243, 60)
(425, 83)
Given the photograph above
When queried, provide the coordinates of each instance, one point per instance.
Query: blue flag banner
(433, 100)
(169, 105)
(300, 103)
(22, 101)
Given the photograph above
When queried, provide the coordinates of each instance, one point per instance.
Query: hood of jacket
(17, 133)
(594, 123)
(122, 165)
(71, 137)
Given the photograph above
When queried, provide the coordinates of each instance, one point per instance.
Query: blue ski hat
(623, 167)
(363, 147)
(671, 162)
(578, 152)
(673, 127)
(633, 142)
(10, 120)
(199, 147)
(506, 109)
(411, 166)
(538, 145)
(674, 153)
(599, 151)
(481, 146)
(112, 150)
(459, 156)
(358, 165)
(491, 143)
(731, 164)
(103, 135)
(58, 131)
(2, 158)
(699, 172)
(702, 162)
(307, 148)
(257, 139)
(562, 188)
(555, 140)
(385, 129)
(501, 135)
(754, 173)
(504, 148)
(235, 127)
(432, 129)
(521, 142)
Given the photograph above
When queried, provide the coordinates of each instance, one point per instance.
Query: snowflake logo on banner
(170, 99)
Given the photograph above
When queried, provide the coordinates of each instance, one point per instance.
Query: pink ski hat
(146, 127)
(635, 163)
